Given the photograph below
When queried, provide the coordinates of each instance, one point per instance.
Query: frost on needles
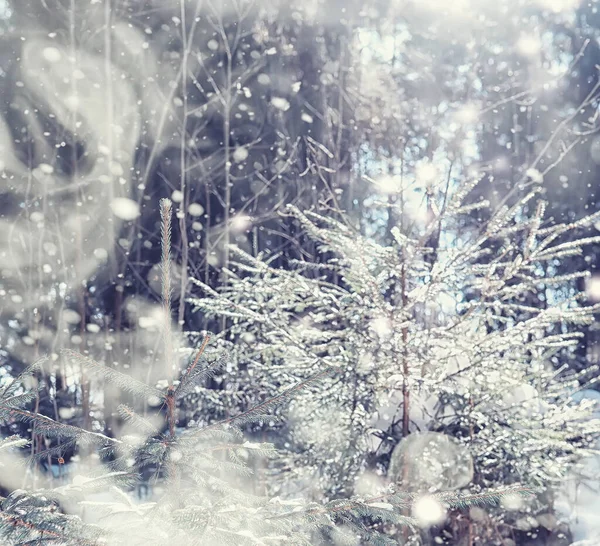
(200, 474)
(201, 503)
(457, 330)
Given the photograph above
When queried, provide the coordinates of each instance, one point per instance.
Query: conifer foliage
(199, 474)
(441, 328)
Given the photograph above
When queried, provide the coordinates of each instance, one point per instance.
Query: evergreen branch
(17, 382)
(488, 498)
(54, 428)
(137, 420)
(366, 508)
(123, 381)
(13, 441)
(19, 400)
(56, 451)
(23, 515)
(14, 520)
(226, 466)
(189, 438)
(257, 411)
(402, 501)
(99, 483)
(200, 352)
(195, 373)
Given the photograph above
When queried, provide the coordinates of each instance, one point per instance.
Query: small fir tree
(200, 495)
(458, 331)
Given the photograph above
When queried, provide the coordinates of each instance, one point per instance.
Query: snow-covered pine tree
(200, 495)
(449, 376)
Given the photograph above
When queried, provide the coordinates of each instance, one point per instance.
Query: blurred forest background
(234, 110)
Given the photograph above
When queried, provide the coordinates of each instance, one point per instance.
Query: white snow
(529, 45)
(592, 288)
(51, 54)
(101, 254)
(241, 222)
(428, 511)
(240, 154)
(280, 103)
(535, 175)
(195, 209)
(177, 196)
(46, 168)
(125, 208)
(432, 459)
(382, 505)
